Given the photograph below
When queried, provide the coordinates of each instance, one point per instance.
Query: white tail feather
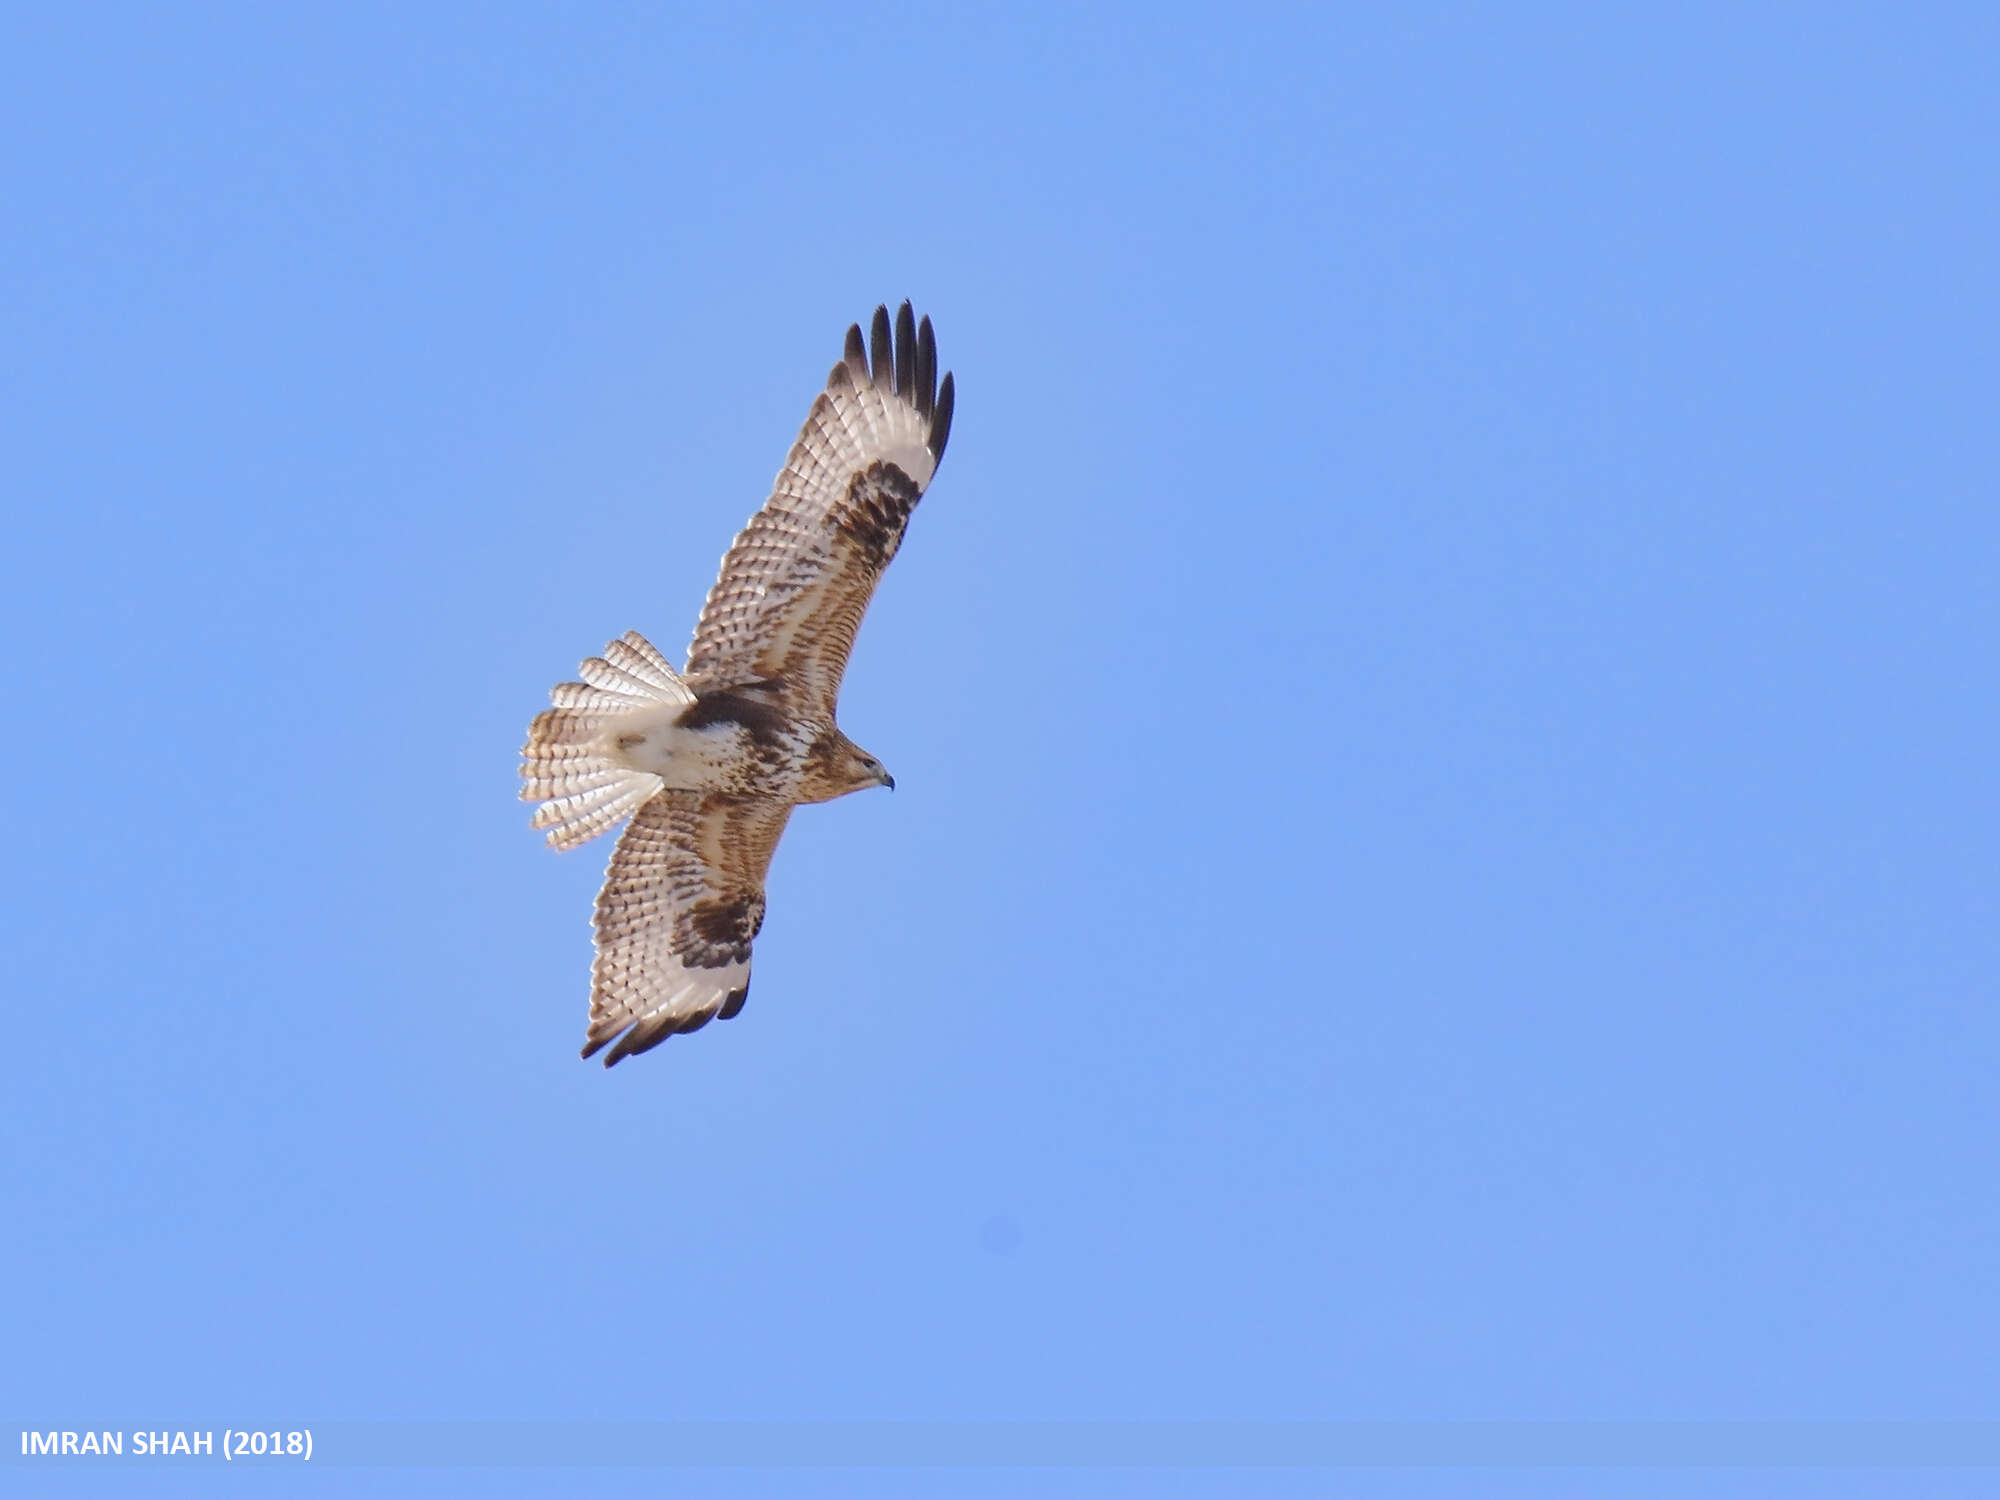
(569, 783)
(580, 818)
(583, 791)
(635, 656)
(586, 695)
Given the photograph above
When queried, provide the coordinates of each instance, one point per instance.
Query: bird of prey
(710, 761)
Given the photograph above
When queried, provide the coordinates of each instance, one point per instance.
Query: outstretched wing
(798, 579)
(681, 902)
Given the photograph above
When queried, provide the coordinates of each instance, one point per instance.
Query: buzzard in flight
(710, 761)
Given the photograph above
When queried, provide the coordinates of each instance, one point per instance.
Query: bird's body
(739, 742)
(709, 762)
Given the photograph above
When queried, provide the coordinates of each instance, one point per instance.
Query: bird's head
(867, 771)
(836, 766)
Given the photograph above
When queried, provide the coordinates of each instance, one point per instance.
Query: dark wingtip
(647, 1035)
(906, 352)
(881, 352)
(617, 1054)
(900, 358)
(627, 1047)
(926, 368)
(941, 419)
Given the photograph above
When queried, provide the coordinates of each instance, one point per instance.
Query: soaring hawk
(710, 761)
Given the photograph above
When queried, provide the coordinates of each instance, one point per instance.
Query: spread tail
(582, 790)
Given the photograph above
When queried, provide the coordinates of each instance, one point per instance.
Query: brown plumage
(709, 762)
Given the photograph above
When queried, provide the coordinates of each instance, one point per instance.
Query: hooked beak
(889, 781)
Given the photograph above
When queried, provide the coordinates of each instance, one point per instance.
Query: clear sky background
(1443, 704)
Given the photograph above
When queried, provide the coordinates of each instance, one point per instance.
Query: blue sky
(1442, 700)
